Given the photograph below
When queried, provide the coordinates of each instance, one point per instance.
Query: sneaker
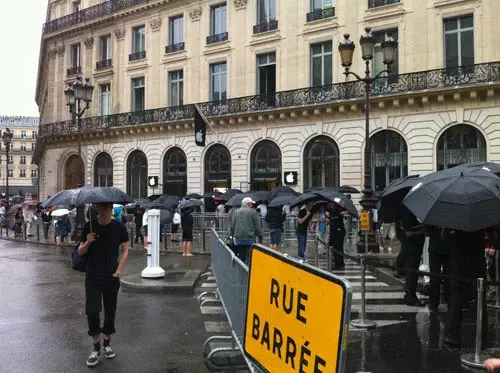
(93, 359)
(108, 352)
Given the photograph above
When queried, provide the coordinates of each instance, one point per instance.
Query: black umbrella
(260, 196)
(230, 193)
(284, 199)
(340, 199)
(452, 198)
(165, 201)
(166, 217)
(393, 194)
(284, 190)
(304, 198)
(193, 196)
(236, 199)
(82, 196)
(487, 166)
(347, 189)
(191, 203)
(212, 194)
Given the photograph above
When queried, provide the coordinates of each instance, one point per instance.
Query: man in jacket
(245, 227)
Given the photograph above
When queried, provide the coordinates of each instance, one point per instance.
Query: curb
(186, 284)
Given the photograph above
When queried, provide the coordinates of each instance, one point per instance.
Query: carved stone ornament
(155, 24)
(240, 4)
(120, 33)
(52, 52)
(195, 13)
(60, 49)
(89, 42)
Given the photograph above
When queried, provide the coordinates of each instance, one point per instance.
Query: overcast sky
(20, 26)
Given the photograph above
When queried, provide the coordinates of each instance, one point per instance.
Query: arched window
(217, 169)
(74, 172)
(321, 163)
(137, 175)
(265, 169)
(460, 144)
(103, 170)
(389, 158)
(175, 172)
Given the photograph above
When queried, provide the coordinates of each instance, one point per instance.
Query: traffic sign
(364, 219)
(297, 316)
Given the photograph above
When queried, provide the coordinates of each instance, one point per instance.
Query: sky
(21, 28)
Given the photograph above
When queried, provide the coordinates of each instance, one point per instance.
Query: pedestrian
(187, 222)
(46, 219)
(275, 217)
(175, 225)
(101, 243)
(337, 235)
(64, 228)
(137, 219)
(439, 263)
(119, 213)
(321, 221)
(245, 228)
(304, 218)
(145, 229)
(19, 222)
(387, 231)
(29, 217)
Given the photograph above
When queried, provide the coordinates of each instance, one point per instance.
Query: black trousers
(242, 252)
(98, 292)
(337, 243)
(438, 263)
(46, 229)
(138, 233)
(412, 256)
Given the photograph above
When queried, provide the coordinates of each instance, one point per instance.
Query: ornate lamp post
(7, 139)
(346, 49)
(78, 98)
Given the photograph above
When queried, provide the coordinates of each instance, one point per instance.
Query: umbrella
(285, 199)
(166, 217)
(452, 198)
(393, 194)
(60, 212)
(304, 198)
(82, 196)
(487, 166)
(190, 203)
(13, 208)
(165, 201)
(230, 193)
(347, 189)
(236, 199)
(193, 196)
(340, 199)
(212, 194)
(284, 190)
(260, 195)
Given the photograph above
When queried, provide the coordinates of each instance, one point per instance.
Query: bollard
(363, 323)
(153, 269)
(476, 359)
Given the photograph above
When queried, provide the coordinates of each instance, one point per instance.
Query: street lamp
(346, 51)
(7, 139)
(78, 97)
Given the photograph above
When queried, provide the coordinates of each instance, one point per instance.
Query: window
(266, 78)
(218, 19)
(378, 56)
(138, 94)
(31, 162)
(321, 64)
(105, 47)
(22, 147)
(377, 3)
(138, 39)
(76, 6)
(175, 88)
(105, 99)
(11, 172)
(266, 11)
(22, 173)
(34, 173)
(321, 9)
(321, 4)
(23, 159)
(34, 134)
(23, 134)
(218, 83)
(32, 146)
(75, 55)
(176, 30)
(459, 41)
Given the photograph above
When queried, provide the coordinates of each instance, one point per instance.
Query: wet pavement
(43, 326)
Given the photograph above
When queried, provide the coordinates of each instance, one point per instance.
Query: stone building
(267, 75)
(22, 171)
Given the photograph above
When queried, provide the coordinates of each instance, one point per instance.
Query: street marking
(217, 326)
(211, 310)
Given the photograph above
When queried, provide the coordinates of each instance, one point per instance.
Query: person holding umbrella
(304, 218)
(275, 218)
(337, 235)
(187, 223)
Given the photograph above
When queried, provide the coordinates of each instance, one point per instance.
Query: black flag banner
(200, 126)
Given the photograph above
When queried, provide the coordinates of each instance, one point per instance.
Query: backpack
(79, 263)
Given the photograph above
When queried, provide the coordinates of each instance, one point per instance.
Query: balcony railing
(377, 3)
(212, 39)
(320, 14)
(103, 64)
(89, 14)
(137, 56)
(174, 47)
(75, 70)
(264, 27)
(421, 81)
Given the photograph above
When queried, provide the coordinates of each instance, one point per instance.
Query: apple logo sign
(291, 178)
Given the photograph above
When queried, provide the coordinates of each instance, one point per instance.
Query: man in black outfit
(101, 242)
(337, 235)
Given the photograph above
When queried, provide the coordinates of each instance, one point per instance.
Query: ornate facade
(245, 63)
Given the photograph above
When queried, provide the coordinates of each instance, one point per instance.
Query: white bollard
(153, 269)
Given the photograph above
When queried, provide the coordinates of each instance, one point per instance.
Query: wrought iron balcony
(174, 47)
(377, 3)
(103, 64)
(88, 14)
(137, 56)
(212, 39)
(421, 81)
(264, 27)
(74, 70)
(320, 14)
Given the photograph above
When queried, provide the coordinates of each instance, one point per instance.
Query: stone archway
(74, 172)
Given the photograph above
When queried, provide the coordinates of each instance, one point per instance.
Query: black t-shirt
(139, 213)
(187, 222)
(302, 227)
(103, 252)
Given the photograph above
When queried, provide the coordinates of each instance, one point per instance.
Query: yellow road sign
(297, 316)
(364, 218)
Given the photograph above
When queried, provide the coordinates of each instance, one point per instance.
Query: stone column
(154, 83)
(87, 69)
(50, 107)
(118, 60)
(238, 85)
(195, 40)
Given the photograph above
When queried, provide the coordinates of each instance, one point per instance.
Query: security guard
(337, 234)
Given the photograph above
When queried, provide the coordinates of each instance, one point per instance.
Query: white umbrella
(60, 212)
